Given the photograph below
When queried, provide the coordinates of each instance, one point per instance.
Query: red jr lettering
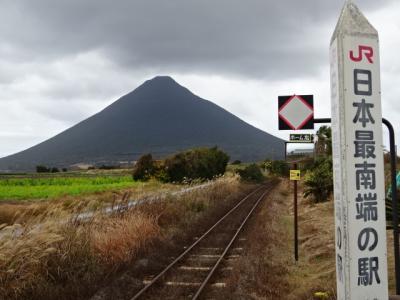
(366, 50)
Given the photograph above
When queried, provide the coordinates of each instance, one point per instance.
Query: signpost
(296, 112)
(301, 138)
(295, 176)
(361, 255)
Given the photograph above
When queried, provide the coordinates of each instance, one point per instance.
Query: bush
(251, 173)
(236, 162)
(144, 168)
(319, 180)
(277, 167)
(108, 167)
(200, 163)
(42, 169)
(55, 170)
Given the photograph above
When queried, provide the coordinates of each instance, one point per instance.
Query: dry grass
(315, 271)
(117, 241)
(22, 212)
(52, 255)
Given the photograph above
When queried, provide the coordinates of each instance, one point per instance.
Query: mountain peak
(162, 80)
(161, 88)
(160, 83)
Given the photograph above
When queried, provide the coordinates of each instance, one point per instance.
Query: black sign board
(301, 138)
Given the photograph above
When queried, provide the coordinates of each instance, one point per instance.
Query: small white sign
(361, 254)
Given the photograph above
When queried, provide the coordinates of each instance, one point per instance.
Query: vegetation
(318, 182)
(144, 168)
(323, 145)
(200, 163)
(50, 259)
(42, 169)
(251, 173)
(277, 167)
(35, 188)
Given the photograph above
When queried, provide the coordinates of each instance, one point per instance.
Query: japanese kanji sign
(294, 175)
(361, 262)
(301, 138)
(296, 112)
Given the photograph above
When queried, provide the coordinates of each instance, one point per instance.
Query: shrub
(55, 170)
(200, 163)
(108, 167)
(277, 167)
(251, 173)
(144, 168)
(236, 162)
(42, 169)
(319, 180)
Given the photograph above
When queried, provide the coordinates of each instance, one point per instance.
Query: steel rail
(211, 273)
(167, 268)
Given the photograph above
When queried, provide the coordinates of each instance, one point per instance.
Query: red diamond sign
(296, 112)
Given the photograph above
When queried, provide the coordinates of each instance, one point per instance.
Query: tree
(42, 169)
(144, 168)
(200, 163)
(323, 145)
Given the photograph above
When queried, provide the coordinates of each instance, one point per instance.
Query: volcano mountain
(159, 117)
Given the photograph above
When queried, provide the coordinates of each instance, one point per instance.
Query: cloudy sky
(62, 61)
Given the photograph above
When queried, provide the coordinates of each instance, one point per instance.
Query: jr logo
(366, 51)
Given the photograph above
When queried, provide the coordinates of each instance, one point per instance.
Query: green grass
(44, 188)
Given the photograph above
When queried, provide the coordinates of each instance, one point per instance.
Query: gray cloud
(243, 38)
(62, 61)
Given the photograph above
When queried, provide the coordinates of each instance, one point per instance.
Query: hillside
(160, 117)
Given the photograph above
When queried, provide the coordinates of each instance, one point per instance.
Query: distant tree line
(45, 169)
(199, 163)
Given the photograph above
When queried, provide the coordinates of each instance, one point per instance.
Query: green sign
(301, 138)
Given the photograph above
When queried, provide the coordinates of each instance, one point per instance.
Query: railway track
(193, 272)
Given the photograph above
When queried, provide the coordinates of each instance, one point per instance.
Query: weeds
(54, 255)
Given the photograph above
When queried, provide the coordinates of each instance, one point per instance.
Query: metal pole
(395, 217)
(296, 238)
(322, 120)
(285, 151)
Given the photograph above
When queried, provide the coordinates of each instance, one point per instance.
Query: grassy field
(71, 260)
(44, 188)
